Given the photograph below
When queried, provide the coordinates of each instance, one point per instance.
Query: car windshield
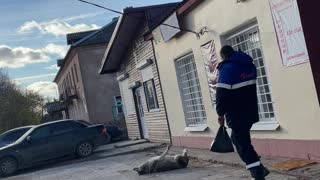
(15, 135)
(25, 135)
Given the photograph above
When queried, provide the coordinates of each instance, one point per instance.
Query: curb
(128, 152)
(132, 144)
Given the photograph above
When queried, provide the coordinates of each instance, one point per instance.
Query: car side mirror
(29, 139)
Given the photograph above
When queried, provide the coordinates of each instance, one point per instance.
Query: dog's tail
(165, 152)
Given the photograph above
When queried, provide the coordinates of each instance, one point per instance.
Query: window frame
(240, 39)
(76, 72)
(191, 93)
(117, 104)
(155, 97)
(73, 79)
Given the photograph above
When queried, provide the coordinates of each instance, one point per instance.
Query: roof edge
(63, 63)
(183, 8)
(94, 33)
(110, 44)
(126, 12)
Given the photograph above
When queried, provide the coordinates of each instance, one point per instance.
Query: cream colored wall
(293, 91)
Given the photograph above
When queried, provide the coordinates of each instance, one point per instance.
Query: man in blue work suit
(237, 102)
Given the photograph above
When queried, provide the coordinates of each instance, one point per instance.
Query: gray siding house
(134, 61)
(88, 95)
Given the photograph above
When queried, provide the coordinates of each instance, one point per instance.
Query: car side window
(86, 123)
(40, 133)
(63, 127)
(77, 125)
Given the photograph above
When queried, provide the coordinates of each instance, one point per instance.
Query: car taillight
(104, 131)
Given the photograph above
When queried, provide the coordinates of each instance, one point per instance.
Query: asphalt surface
(120, 168)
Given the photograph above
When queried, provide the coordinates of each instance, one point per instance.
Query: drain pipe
(164, 102)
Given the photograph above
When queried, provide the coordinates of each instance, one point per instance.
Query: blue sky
(32, 35)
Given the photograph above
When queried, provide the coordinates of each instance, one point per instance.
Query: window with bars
(151, 95)
(118, 104)
(190, 91)
(248, 41)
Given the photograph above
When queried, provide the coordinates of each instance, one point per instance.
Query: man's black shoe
(259, 172)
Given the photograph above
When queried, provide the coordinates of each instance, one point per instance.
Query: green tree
(18, 108)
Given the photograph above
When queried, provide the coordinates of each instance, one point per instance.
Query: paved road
(119, 168)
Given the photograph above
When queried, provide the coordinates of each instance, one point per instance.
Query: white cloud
(46, 89)
(53, 67)
(82, 16)
(35, 77)
(63, 28)
(58, 27)
(55, 49)
(21, 56)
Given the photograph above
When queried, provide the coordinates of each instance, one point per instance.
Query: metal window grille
(248, 41)
(118, 104)
(151, 95)
(190, 91)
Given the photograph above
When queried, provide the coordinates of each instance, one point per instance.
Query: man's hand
(221, 120)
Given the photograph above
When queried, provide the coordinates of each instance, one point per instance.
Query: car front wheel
(8, 166)
(84, 149)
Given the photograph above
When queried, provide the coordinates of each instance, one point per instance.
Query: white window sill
(154, 110)
(265, 126)
(196, 128)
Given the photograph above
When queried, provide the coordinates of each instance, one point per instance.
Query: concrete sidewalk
(232, 159)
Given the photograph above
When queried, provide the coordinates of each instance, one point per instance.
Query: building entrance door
(140, 114)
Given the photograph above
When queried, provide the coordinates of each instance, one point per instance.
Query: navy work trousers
(240, 137)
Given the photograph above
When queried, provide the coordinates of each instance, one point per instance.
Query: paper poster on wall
(210, 60)
(289, 32)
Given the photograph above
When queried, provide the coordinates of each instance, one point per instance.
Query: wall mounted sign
(286, 18)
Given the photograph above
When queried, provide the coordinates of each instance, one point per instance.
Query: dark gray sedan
(49, 141)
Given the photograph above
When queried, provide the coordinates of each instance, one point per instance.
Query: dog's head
(138, 170)
(184, 152)
(143, 169)
(184, 159)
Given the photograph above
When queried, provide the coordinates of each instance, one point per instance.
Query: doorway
(140, 113)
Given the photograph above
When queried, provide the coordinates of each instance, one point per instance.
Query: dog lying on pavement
(163, 163)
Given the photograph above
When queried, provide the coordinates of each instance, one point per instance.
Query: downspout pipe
(164, 102)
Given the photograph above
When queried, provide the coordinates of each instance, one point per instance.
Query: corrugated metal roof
(101, 36)
(74, 37)
(56, 106)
